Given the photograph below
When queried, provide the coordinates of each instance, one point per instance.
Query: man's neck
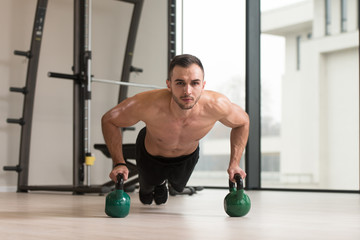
(180, 113)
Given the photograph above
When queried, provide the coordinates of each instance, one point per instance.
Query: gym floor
(274, 215)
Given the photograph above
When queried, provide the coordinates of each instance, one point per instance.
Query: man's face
(186, 85)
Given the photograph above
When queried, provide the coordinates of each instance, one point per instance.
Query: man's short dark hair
(184, 60)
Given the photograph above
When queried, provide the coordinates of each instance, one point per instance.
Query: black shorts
(153, 170)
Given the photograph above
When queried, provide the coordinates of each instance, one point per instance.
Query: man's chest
(180, 132)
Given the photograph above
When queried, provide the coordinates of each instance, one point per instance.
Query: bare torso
(171, 135)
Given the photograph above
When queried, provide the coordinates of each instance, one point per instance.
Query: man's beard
(185, 106)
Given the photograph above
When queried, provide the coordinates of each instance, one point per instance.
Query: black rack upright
(29, 94)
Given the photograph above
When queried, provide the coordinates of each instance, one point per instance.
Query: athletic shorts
(154, 170)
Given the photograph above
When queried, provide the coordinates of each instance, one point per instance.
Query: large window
(312, 108)
(214, 31)
(309, 88)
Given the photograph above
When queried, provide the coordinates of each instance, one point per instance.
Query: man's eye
(179, 83)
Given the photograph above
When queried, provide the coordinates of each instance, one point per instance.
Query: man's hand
(232, 170)
(119, 169)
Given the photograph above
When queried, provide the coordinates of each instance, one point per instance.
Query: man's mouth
(187, 99)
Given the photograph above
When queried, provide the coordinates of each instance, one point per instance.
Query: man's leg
(161, 194)
(152, 175)
(181, 174)
(146, 193)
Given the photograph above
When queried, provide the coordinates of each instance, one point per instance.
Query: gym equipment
(118, 202)
(81, 97)
(29, 94)
(125, 83)
(130, 46)
(127, 68)
(89, 159)
(171, 30)
(237, 202)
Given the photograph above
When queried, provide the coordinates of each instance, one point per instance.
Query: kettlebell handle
(120, 182)
(239, 182)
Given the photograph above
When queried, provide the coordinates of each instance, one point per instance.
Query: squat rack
(82, 79)
(81, 98)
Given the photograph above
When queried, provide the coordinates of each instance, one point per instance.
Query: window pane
(214, 31)
(310, 96)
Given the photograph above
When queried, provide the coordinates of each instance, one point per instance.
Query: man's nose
(187, 89)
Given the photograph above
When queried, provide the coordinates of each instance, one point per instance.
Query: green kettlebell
(237, 202)
(118, 202)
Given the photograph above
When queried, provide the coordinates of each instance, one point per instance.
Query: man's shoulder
(151, 98)
(214, 97)
(213, 93)
(156, 94)
(216, 103)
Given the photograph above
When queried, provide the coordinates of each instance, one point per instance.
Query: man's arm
(237, 119)
(123, 115)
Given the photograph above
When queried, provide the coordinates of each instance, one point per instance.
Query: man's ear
(204, 83)
(168, 83)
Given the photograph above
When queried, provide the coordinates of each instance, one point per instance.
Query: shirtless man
(176, 118)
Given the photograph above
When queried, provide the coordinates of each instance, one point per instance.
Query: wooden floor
(274, 215)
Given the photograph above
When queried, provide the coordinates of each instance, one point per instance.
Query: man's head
(186, 80)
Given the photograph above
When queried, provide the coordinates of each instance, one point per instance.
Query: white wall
(341, 114)
(320, 101)
(51, 144)
(320, 109)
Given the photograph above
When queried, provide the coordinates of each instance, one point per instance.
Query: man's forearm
(113, 139)
(238, 140)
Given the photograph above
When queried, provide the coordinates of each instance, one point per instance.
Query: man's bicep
(123, 115)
